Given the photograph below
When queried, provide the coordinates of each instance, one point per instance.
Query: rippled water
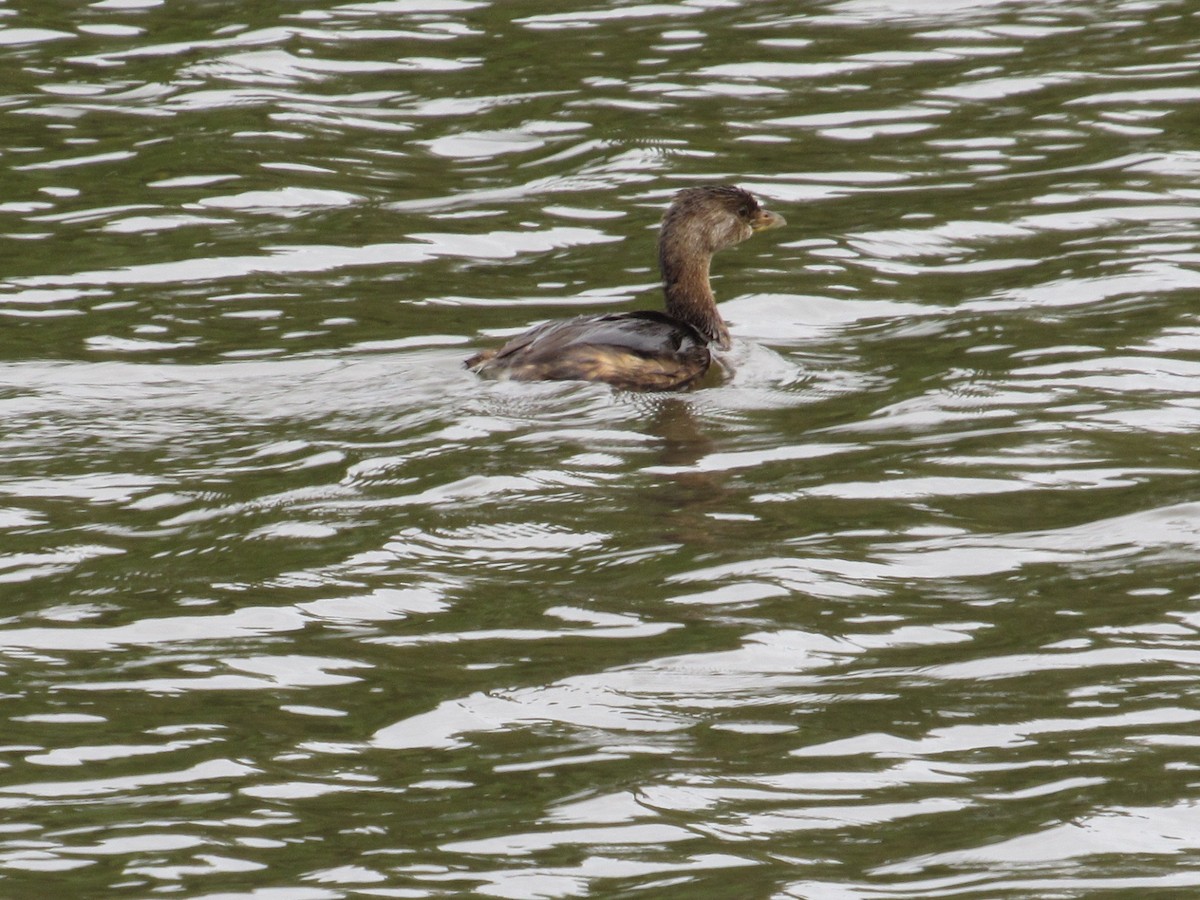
(295, 607)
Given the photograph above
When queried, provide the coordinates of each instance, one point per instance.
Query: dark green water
(294, 608)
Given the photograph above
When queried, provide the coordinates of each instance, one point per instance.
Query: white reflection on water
(1144, 830)
(661, 696)
(957, 739)
(212, 770)
(568, 881)
(281, 260)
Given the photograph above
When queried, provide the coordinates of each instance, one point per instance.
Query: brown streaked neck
(689, 297)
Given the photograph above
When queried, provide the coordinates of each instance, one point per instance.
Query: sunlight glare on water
(900, 605)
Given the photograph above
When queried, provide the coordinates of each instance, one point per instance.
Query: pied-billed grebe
(646, 350)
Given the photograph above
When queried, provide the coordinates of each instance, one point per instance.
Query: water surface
(293, 606)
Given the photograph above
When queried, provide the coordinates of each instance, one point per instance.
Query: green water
(294, 607)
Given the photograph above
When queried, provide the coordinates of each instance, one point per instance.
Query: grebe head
(704, 220)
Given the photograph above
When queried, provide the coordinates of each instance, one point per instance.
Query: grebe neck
(688, 293)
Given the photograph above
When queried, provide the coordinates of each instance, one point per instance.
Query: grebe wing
(646, 333)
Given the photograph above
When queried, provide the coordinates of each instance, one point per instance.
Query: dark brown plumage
(646, 350)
